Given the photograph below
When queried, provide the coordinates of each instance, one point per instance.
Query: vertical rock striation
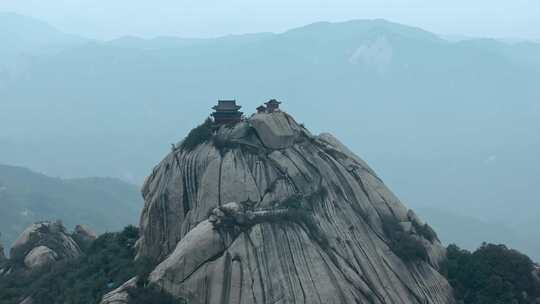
(265, 212)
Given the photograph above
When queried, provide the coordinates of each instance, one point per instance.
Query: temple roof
(273, 102)
(226, 106)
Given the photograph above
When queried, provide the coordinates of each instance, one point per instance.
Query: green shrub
(199, 135)
(426, 231)
(493, 274)
(143, 267)
(107, 263)
(409, 248)
(150, 294)
(403, 244)
(222, 144)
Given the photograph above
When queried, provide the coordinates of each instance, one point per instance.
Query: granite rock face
(39, 257)
(83, 236)
(275, 130)
(120, 295)
(44, 243)
(265, 212)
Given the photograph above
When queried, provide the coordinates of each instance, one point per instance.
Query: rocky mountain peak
(262, 211)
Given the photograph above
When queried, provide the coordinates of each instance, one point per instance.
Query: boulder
(39, 257)
(276, 130)
(199, 246)
(280, 217)
(43, 243)
(119, 295)
(83, 236)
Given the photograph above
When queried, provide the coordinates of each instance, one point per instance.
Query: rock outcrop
(83, 236)
(39, 257)
(28, 300)
(120, 295)
(275, 131)
(2, 255)
(265, 212)
(42, 244)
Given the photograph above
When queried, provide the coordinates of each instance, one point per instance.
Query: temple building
(226, 111)
(261, 110)
(272, 105)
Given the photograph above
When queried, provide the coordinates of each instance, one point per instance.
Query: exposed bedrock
(42, 244)
(84, 236)
(265, 212)
(121, 294)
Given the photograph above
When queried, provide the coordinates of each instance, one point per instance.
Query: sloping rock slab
(39, 257)
(276, 130)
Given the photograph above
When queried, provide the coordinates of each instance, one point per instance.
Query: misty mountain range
(451, 126)
(26, 197)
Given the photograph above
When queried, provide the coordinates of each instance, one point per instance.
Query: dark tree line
(493, 274)
(106, 264)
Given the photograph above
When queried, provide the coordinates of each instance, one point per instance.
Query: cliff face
(265, 212)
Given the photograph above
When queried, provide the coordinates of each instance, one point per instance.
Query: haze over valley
(240, 152)
(450, 125)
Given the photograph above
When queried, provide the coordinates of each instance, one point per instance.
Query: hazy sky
(206, 18)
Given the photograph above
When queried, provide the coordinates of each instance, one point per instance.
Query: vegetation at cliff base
(107, 263)
(493, 274)
(151, 295)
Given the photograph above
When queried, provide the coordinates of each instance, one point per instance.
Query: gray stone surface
(119, 295)
(39, 257)
(28, 300)
(276, 130)
(280, 217)
(43, 243)
(199, 246)
(84, 233)
(83, 236)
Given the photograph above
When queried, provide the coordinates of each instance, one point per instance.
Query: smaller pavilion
(261, 110)
(226, 111)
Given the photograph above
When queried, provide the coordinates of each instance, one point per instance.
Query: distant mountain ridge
(26, 34)
(104, 204)
(23, 39)
(448, 125)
